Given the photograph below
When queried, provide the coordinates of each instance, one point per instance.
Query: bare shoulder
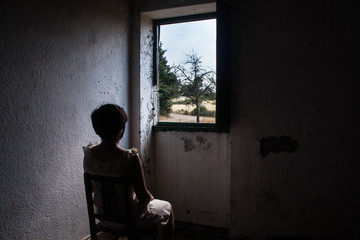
(134, 158)
(134, 152)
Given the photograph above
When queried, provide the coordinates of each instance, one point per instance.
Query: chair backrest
(114, 194)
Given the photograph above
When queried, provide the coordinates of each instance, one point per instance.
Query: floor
(188, 231)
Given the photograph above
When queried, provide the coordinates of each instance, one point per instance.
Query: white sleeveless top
(156, 212)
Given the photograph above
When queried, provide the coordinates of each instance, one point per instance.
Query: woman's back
(106, 164)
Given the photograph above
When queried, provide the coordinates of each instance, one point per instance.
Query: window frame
(223, 108)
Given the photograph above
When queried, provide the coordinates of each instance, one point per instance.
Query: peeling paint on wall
(277, 144)
(188, 144)
(204, 144)
(200, 144)
(200, 139)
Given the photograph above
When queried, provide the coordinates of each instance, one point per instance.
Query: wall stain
(200, 139)
(200, 144)
(203, 143)
(277, 144)
(188, 144)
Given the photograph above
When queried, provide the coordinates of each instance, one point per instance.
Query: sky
(181, 38)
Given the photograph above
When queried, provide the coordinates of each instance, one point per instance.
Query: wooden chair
(113, 211)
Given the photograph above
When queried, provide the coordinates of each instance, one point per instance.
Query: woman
(109, 159)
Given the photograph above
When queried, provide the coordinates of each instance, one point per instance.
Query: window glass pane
(187, 72)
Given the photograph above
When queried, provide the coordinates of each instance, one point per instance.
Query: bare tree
(195, 81)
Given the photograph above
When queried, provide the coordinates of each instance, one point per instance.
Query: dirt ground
(185, 118)
(210, 105)
(178, 115)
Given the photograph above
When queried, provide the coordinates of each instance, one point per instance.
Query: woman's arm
(137, 179)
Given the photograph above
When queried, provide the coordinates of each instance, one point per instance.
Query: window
(193, 84)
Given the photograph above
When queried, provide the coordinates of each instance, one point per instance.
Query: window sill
(187, 127)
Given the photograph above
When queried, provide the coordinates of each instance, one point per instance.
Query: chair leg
(93, 235)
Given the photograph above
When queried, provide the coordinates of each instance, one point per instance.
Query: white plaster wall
(192, 171)
(295, 73)
(148, 102)
(144, 101)
(58, 61)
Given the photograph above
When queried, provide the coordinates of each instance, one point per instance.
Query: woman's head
(109, 121)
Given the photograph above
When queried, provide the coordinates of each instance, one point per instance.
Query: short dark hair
(108, 120)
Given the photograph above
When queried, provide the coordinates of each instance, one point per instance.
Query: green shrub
(203, 112)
